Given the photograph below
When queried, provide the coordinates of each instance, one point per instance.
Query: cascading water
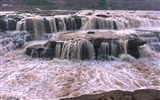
(39, 25)
(74, 49)
(58, 49)
(110, 49)
(153, 40)
(70, 58)
(12, 40)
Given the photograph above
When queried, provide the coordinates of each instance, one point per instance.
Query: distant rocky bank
(146, 94)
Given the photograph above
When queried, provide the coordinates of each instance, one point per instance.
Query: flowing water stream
(25, 78)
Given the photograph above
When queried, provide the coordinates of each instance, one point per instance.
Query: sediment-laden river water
(25, 78)
(28, 78)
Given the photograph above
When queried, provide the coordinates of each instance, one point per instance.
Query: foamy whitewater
(28, 78)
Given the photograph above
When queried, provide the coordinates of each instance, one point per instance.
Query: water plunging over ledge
(71, 55)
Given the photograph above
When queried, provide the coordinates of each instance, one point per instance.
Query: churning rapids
(91, 52)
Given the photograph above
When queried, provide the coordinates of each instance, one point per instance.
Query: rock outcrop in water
(132, 47)
(98, 46)
(88, 45)
(121, 95)
(93, 47)
(9, 22)
(39, 25)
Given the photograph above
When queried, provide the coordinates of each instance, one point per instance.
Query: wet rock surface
(132, 47)
(9, 22)
(103, 16)
(147, 94)
(109, 43)
(81, 48)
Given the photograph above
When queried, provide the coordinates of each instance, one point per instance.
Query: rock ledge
(147, 94)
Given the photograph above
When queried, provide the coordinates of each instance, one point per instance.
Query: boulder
(33, 46)
(43, 49)
(90, 32)
(103, 16)
(89, 13)
(146, 95)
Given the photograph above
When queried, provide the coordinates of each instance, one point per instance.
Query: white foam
(27, 78)
(42, 79)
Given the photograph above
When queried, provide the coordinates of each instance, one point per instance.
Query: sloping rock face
(121, 95)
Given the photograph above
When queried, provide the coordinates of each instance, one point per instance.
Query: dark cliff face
(81, 4)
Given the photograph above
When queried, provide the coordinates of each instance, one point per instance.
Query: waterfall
(20, 25)
(146, 51)
(136, 22)
(77, 49)
(52, 23)
(133, 22)
(125, 46)
(60, 23)
(110, 48)
(84, 23)
(103, 51)
(102, 23)
(13, 40)
(40, 28)
(155, 46)
(58, 49)
(152, 39)
(39, 25)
